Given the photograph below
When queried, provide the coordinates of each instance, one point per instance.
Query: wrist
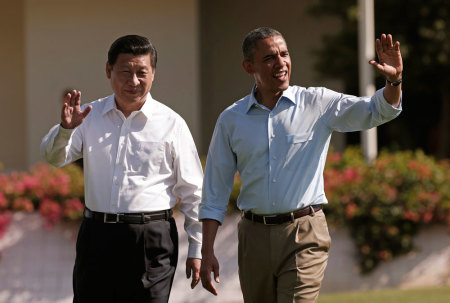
(395, 78)
(394, 83)
(207, 251)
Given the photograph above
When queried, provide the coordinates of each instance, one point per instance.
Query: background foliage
(425, 45)
(57, 193)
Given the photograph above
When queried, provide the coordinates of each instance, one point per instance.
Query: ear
(108, 70)
(248, 67)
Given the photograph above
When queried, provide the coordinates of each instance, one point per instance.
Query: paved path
(36, 264)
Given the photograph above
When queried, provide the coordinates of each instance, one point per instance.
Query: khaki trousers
(283, 263)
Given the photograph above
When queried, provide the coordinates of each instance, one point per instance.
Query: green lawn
(428, 295)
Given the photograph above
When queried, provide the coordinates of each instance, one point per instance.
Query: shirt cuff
(208, 212)
(195, 251)
(64, 132)
(385, 107)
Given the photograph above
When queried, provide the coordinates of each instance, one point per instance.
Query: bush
(385, 204)
(57, 193)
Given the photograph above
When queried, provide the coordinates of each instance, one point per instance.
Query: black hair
(250, 40)
(132, 44)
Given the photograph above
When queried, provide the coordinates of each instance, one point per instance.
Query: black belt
(130, 218)
(281, 218)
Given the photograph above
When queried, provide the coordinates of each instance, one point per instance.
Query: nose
(134, 79)
(280, 60)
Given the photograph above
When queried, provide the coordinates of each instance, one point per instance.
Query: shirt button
(274, 157)
(116, 182)
(273, 136)
(274, 180)
(273, 204)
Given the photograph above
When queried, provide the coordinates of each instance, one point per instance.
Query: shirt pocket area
(146, 157)
(299, 138)
(296, 146)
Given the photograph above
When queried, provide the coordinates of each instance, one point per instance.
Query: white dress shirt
(280, 154)
(141, 163)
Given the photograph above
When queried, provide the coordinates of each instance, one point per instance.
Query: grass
(428, 295)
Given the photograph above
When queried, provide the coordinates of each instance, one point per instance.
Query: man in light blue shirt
(277, 138)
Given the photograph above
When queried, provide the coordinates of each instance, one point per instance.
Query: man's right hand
(71, 114)
(209, 265)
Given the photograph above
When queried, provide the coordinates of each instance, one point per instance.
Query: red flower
(350, 210)
(412, 216)
(73, 208)
(5, 219)
(51, 211)
(22, 204)
(3, 201)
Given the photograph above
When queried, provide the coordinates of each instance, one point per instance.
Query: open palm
(390, 62)
(71, 114)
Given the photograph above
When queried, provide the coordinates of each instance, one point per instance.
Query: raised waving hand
(390, 62)
(71, 114)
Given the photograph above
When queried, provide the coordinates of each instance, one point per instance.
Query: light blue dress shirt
(280, 154)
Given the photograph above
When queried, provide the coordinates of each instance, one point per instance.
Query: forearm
(210, 228)
(54, 146)
(391, 93)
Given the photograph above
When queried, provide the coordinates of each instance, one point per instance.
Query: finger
(195, 279)
(67, 98)
(389, 41)
(397, 46)
(384, 42)
(86, 111)
(208, 285)
(205, 276)
(72, 98)
(378, 47)
(188, 271)
(377, 65)
(78, 99)
(216, 275)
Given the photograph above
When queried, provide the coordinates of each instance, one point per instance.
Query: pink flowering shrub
(57, 193)
(385, 204)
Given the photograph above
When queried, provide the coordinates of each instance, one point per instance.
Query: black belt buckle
(110, 218)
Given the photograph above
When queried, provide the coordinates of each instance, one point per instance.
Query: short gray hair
(249, 44)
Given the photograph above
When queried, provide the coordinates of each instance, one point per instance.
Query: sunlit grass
(428, 295)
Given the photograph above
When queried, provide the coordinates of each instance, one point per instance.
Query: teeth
(280, 74)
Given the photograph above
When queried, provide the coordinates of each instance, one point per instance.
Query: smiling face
(131, 79)
(270, 66)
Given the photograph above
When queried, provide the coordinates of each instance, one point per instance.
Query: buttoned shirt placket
(119, 169)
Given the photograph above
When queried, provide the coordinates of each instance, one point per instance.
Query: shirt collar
(287, 93)
(146, 109)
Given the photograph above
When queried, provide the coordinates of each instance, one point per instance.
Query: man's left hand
(193, 268)
(390, 59)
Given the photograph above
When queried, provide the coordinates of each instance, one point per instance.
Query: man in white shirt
(139, 160)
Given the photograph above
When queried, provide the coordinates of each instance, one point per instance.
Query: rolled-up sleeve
(219, 175)
(346, 113)
(61, 146)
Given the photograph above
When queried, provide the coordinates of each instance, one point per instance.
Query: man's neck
(268, 99)
(127, 109)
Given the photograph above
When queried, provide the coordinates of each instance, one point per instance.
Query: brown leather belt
(281, 218)
(129, 218)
